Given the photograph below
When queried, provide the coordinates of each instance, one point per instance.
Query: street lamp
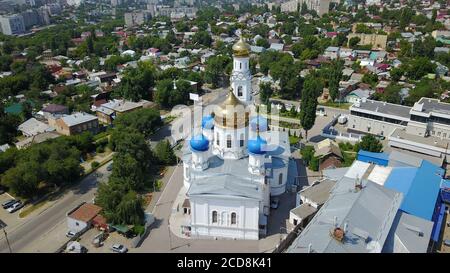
(3, 226)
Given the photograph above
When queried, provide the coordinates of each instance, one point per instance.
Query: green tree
(370, 78)
(419, 67)
(23, 180)
(334, 78)
(202, 38)
(215, 68)
(353, 42)
(164, 153)
(136, 83)
(265, 92)
(396, 73)
(312, 88)
(145, 121)
(307, 154)
(262, 42)
(371, 144)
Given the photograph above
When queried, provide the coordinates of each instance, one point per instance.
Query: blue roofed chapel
(233, 164)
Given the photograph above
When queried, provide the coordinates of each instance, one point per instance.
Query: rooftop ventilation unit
(414, 229)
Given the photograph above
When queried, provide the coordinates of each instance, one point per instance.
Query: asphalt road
(25, 235)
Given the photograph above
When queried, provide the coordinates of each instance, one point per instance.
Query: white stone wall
(377, 127)
(247, 217)
(277, 188)
(75, 225)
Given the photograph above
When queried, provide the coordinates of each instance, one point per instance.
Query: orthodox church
(234, 164)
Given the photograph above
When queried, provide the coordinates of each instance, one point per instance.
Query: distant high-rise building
(319, 6)
(12, 24)
(75, 3)
(136, 18)
(30, 18)
(115, 3)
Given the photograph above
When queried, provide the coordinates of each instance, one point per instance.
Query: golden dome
(232, 113)
(241, 48)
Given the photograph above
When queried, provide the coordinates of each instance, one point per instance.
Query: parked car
(8, 203)
(321, 112)
(109, 168)
(15, 207)
(119, 248)
(274, 203)
(70, 234)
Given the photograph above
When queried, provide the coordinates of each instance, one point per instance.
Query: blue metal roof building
(376, 158)
(420, 186)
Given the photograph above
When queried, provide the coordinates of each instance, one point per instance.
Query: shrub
(138, 230)
(100, 149)
(95, 165)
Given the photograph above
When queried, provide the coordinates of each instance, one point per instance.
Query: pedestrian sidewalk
(177, 218)
(157, 194)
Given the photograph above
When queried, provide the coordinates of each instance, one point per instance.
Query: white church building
(233, 165)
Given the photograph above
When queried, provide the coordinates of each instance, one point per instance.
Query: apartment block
(12, 24)
(319, 6)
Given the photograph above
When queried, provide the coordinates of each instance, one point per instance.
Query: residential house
(107, 112)
(75, 123)
(55, 110)
(329, 154)
(32, 127)
(80, 218)
(381, 86)
(332, 52)
(36, 139)
(276, 46)
(308, 202)
(358, 94)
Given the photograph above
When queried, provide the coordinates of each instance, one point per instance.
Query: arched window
(240, 65)
(233, 218)
(228, 141)
(239, 91)
(241, 141)
(217, 139)
(280, 179)
(214, 216)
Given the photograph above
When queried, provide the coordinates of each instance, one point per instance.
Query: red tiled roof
(100, 220)
(97, 103)
(85, 212)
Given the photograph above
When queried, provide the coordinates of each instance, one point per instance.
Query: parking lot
(11, 219)
(113, 238)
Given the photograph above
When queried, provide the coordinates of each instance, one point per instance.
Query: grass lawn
(349, 157)
(293, 140)
(30, 209)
